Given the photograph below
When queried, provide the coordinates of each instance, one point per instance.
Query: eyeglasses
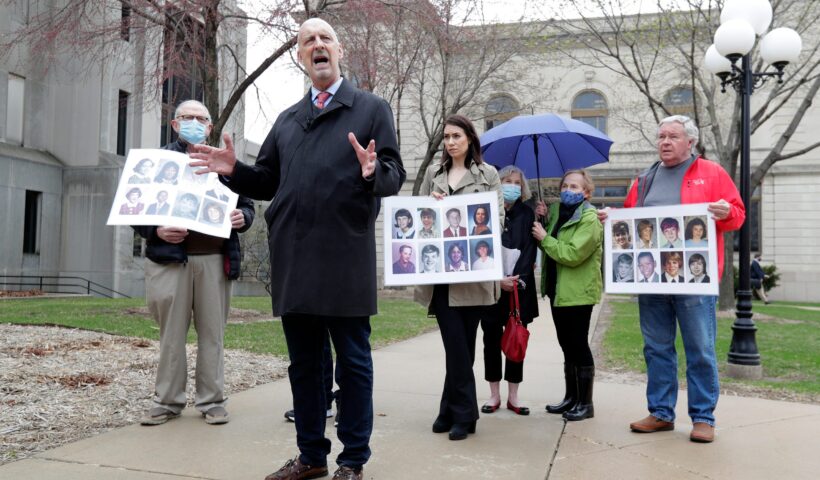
(198, 118)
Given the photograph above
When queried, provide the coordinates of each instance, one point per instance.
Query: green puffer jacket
(577, 253)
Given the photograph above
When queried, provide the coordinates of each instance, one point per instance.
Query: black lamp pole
(743, 350)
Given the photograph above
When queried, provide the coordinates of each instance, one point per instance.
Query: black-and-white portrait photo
(621, 235)
(623, 268)
(430, 258)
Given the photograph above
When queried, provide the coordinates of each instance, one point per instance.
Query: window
(590, 107)
(15, 109)
(122, 122)
(182, 68)
(31, 222)
(125, 23)
(680, 101)
(498, 110)
(610, 192)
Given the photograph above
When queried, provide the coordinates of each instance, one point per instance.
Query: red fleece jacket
(704, 182)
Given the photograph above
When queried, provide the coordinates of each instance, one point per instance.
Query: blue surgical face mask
(571, 198)
(192, 131)
(511, 192)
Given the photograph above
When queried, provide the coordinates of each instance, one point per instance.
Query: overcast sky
(283, 85)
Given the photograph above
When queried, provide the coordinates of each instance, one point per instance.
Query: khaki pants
(174, 292)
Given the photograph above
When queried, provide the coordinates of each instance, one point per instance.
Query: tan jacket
(480, 178)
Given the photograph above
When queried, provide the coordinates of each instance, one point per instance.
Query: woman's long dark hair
(474, 150)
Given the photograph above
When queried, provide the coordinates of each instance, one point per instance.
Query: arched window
(499, 109)
(590, 107)
(680, 101)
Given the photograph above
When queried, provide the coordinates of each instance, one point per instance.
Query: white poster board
(157, 187)
(665, 250)
(454, 240)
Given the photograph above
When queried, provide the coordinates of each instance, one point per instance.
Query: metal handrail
(43, 281)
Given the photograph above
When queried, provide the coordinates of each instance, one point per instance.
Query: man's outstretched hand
(367, 158)
(214, 159)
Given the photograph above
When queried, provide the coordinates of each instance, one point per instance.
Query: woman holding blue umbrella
(571, 278)
(518, 219)
(459, 307)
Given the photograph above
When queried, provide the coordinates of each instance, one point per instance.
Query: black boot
(442, 425)
(583, 408)
(571, 391)
(460, 430)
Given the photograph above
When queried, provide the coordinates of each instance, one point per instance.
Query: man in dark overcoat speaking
(325, 187)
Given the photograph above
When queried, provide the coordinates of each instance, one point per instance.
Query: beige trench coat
(480, 178)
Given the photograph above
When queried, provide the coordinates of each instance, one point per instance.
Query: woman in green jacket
(571, 278)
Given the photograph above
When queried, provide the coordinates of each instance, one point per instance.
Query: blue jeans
(695, 314)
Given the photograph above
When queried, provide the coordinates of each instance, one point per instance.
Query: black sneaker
(291, 416)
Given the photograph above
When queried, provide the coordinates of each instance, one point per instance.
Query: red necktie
(321, 98)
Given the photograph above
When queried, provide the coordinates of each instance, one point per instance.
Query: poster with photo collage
(454, 240)
(157, 187)
(665, 250)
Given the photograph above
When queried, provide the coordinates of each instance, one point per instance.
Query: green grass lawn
(788, 342)
(397, 320)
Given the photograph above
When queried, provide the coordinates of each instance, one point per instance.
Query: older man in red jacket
(682, 177)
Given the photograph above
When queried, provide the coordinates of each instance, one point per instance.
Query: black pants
(458, 326)
(327, 372)
(493, 325)
(306, 337)
(572, 328)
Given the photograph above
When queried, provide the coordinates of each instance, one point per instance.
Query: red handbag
(515, 337)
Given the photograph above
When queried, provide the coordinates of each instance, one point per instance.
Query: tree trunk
(210, 70)
(727, 281)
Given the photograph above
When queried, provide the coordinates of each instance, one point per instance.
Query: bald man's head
(319, 51)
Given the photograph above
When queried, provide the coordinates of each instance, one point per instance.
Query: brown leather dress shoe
(702, 433)
(294, 469)
(347, 473)
(651, 424)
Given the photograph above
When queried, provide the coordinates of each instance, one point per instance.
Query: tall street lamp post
(741, 22)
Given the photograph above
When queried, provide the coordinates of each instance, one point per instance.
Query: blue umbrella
(545, 146)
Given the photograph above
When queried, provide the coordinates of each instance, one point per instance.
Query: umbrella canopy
(545, 146)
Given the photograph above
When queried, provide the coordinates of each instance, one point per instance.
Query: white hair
(188, 103)
(525, 187)
(689, 127)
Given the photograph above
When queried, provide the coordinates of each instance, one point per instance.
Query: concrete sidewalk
(756, 438)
